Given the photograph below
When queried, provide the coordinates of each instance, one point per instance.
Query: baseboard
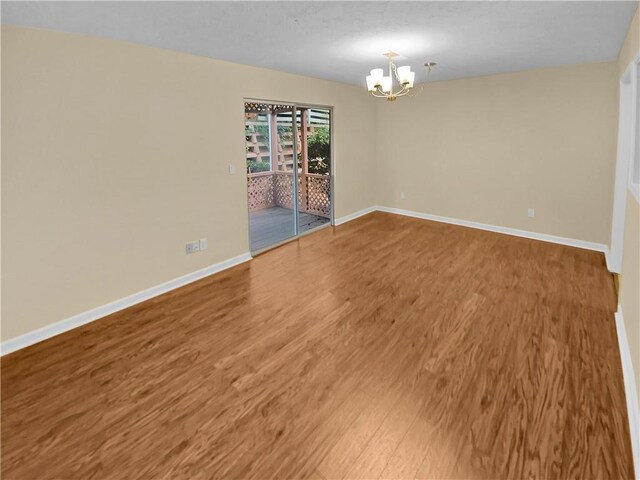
(631, 392)
(598, 247)
(607, 258)
(353, 216)
(86, 317)
(89, 316)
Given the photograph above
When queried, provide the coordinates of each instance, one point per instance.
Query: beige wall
(630, 282)
(115, 155)
(486, 149)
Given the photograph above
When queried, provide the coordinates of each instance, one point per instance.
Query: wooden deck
(273, 225)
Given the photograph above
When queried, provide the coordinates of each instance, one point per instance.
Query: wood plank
(381, 447)
(347, 449)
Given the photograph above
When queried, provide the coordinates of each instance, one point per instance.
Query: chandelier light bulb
(371, 83)
(411, 79)
(386, 84)
(404, 74)
(376, 75)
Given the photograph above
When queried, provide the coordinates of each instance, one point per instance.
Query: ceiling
(342, 41)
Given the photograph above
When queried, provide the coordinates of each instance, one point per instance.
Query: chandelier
(381, 86)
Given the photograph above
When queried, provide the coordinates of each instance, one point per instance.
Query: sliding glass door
(288, 156)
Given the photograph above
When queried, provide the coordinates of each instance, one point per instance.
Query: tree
(319, 150)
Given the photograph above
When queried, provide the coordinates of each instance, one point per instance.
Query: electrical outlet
(402, 195)
(203, 244)
(531, 212)
(232, 169)
(192, 247)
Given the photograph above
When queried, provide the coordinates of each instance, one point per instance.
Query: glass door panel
(313, 126)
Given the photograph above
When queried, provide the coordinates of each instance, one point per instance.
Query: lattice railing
(284, 190)
(260, 191)
(318, 195)
(275, 189)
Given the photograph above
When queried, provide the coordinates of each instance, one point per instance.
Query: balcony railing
(275, 189)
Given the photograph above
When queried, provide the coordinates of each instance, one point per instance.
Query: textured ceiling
(343, 40)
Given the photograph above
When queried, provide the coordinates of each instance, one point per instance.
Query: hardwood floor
(388, 347)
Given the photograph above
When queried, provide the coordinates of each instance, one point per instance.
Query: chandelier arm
(379, 93)
(405, 91)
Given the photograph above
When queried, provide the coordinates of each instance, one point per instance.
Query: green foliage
(255, 166)
(318, 144)
(285, 130)
(319, 148)
(261, 129)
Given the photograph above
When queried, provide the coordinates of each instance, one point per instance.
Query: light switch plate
(232, 169)
(203, 244)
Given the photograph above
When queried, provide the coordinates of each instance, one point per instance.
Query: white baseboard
(77, 320)
(353, 216)
(598, 247)
(89, 316)
(607, 258)
(630, 390)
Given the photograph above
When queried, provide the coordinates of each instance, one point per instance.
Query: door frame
(296, 106)
(627, 139)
